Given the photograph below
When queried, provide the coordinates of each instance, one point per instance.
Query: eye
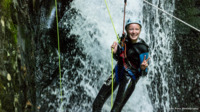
(131, 29)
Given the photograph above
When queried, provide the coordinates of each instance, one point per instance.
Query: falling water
(89, 61)
(159, 33)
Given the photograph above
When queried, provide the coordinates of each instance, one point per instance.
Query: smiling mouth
(134, 36)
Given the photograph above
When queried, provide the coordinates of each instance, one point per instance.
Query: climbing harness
(58, 50)
(172, 16)
(124, 59)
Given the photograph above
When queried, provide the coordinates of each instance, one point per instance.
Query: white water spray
(160, 32)
(95, 34)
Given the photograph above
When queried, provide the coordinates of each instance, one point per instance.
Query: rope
(112, 52)
(112, 22)
(58, 49)
(112, 81)
(124, 17)
(172, 16)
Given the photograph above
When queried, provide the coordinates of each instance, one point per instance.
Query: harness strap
(124, 57)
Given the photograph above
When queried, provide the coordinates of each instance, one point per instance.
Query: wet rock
(186, 59)
(8, 77)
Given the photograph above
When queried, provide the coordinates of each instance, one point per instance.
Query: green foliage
(192, 11)
(187, 11)
(6, 12)
(1, 87)
(9, 30)
(13, 31)
(5, 6)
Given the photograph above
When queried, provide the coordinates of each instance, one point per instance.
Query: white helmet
(130, 21)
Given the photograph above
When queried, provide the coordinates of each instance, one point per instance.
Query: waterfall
(88, 61)
(160, 37)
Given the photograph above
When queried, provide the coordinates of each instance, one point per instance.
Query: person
(132, 62)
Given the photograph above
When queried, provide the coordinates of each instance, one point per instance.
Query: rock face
(186, 51)
(17, 57)
(27, 31)
(29, 61)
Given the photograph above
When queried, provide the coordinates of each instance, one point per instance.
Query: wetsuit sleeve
(143, 72)
(116, 55)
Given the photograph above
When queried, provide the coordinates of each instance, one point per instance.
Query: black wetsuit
(125, 79)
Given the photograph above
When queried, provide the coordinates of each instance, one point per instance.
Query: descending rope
(125, 1)
(172, 16)
(112, 22)
(112, 53)
(58, 49)
(118, 42)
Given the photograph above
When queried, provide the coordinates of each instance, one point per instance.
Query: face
(133, 31)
